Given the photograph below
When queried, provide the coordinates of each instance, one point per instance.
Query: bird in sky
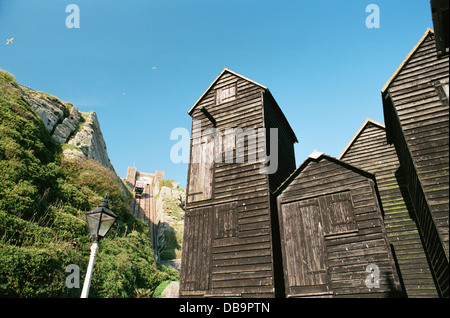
(154, 68)
(9, 41)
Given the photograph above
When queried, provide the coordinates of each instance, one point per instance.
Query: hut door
(198, 233)
(201, 169)
(306, 255)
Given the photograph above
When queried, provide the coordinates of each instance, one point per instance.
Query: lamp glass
(93, 220)
(106, 223)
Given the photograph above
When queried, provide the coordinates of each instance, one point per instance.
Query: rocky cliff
(79, 132)
(170, 203)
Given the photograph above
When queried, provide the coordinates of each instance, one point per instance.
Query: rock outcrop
(50, 109)
(67, 125)
(172, 290)
(91, 142)
(65, 129)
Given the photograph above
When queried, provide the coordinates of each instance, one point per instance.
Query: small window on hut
(225, 94)
(226, 146)
(442, 87)
(337, 213)
(226, 221)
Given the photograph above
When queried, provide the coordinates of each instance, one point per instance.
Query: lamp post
(99, 221)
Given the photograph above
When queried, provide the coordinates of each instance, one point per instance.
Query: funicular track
(143, 208)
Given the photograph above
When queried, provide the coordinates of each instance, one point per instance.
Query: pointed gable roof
(317, 156)
(214, 82)
(406, 60)
(367, 122)
(277, 107)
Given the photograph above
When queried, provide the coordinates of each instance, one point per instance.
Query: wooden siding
(370, 151)
(286, 140)
(337, 249)
(238, 228)
(417, 122)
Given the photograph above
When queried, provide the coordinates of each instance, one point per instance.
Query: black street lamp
(100, 221)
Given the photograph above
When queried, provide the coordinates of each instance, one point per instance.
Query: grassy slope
(42, 225)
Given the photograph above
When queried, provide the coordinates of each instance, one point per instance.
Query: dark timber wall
(228, 246)
(370, 151)
(416, 111)
(332, 233)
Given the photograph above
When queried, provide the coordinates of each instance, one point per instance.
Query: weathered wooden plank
(241, 254)
(248, 268)
(241, 275)
(243, 261)
(248, 282)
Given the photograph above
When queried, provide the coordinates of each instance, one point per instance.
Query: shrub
(31, 272)
(160, 289)
(126, 264)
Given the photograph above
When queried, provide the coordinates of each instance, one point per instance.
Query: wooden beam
(208, 115)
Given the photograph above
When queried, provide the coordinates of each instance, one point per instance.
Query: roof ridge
(406, 59)
(225, 69)
(368, 120)
(317, 156)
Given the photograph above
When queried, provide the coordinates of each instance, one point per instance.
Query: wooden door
(305, 247)
(198, 234)
(201, 169)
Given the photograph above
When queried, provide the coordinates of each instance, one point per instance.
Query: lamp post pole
(87, 280)
(99, 221)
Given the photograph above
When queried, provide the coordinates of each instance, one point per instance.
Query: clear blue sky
(323, 65)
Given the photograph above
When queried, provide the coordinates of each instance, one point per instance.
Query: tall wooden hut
(231, 245)
(416, 112)
(333, 238)
(369, 151)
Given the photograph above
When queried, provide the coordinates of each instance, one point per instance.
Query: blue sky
(322, 64)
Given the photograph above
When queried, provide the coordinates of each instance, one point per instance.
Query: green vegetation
(71, 147)
(160, 289)
(42, 226)
(173, 208)
(172, 249)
